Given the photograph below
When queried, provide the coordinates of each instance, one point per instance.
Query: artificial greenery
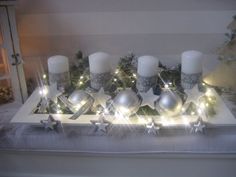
(125, 74)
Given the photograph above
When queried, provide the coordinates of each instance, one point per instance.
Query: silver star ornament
(100, 98)
(50, 123)
(198, 127)
(153, 128)
(148, 98)
(193, 95)
(101, 124)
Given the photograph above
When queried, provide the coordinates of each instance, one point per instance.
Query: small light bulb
(44, 76)
(81, 77)
(115, 79)
(80, 82)
(106, 111)
(134, 75)
(59, 111)
(117, 71)
(133, 81)
(192, 113)
(166, 86)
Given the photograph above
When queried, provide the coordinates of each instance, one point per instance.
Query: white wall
(163, 28)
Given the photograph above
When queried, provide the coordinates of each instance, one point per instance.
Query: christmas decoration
(152, 128)
(101, 124)
(80, 103)
(147, 73)
(118, 102)
(193, 95)
(125, 74)
(53, 92)
(227, 53)
(198, 126)
(169, 103)
(148, 98)
(50, 123)
(126, 102)
(100, 98)
(58, 68)
(191, 68)
(100, 70)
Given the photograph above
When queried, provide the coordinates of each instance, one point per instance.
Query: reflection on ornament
(169, 103)
(198, 126)
(148, 98)
(80, 103)
(126, 102)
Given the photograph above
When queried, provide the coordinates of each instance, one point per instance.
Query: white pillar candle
(58, 69)
(191, 62)
(147, 66)
(100, 70)
(100, 62)
(58, 64)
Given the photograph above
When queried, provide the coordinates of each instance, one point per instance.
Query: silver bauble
(80, 102)
(169, 103)
(126, 102)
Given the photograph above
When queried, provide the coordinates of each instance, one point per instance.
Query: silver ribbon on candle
(99, 80)
(189, 80)
(143, 84)
(61, 79)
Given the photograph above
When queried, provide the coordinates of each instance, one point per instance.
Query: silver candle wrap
(143, 84)
(61, 79)
(99, 80)
(189, 80)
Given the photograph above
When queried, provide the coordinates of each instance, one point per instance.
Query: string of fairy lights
(125, 77)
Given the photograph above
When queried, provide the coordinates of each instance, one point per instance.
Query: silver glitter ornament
(81, 103)
(169, 103)
(126, 102)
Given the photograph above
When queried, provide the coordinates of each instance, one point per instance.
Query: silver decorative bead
(127, 102)
(169, 103)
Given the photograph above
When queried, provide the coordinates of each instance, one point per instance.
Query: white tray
(25, 115)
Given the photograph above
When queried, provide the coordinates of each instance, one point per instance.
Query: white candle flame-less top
(99, 62)
(148, 66)
(191, 62)
(58, 64)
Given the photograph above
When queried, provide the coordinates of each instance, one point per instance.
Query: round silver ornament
(169, 103)
(126, 102)
(80, 103)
